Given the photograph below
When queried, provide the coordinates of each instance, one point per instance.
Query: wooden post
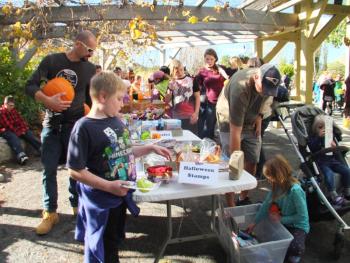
(258, 48)
(297, 68)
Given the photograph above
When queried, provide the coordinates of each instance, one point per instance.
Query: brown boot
(47, 223)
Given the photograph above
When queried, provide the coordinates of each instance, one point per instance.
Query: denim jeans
(334, 166)
(14, 141)
(207, 120)
(54, 152)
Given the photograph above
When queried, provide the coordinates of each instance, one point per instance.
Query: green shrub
(336, 67)
(287, 69)
(12, 82)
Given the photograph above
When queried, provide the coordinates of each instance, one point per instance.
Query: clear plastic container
(274, 238)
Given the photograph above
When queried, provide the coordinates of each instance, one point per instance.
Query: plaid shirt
(12, 121)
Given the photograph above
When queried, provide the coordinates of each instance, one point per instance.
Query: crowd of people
(331, 91)
(97, 148)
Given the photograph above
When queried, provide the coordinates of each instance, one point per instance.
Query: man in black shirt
(60, 116)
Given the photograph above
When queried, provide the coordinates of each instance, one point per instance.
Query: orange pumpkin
(58, 85)
(139, 96)
(86, 109)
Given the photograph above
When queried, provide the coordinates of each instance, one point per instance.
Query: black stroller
(319, 207)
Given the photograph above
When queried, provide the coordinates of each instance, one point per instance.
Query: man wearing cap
(246, 92)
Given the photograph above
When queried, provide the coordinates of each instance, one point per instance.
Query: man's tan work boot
(75, 210)
(47, 223)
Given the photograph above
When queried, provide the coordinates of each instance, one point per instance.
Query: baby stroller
(319, 207)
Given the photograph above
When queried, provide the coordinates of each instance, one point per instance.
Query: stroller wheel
(339, 242)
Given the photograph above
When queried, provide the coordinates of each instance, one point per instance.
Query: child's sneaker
(47, 223)
(340, 201)
(22, 158)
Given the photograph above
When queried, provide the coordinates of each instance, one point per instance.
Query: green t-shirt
(244, 101)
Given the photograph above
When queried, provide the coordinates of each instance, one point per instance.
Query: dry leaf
(193, 20)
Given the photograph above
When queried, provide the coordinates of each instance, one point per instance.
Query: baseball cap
(156, 75)
(271, 79)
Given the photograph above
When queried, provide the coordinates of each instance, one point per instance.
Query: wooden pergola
(283, 21)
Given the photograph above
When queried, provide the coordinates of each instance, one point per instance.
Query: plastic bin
(274, 238)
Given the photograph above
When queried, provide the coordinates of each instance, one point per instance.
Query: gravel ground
(20, 197)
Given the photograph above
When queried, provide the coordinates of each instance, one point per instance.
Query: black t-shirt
(103, 147)
(78, 73)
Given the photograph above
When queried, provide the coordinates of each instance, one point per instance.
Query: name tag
(161, 135)
(198, 173)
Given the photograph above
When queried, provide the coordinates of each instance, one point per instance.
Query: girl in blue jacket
(286, 202)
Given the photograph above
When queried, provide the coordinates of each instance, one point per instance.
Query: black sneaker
(245, 201)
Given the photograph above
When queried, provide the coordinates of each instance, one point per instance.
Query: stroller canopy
(302, 119)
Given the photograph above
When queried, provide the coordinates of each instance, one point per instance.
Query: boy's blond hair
(108, 82)
(319, 121)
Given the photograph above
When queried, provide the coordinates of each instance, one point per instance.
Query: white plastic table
(175, 190)
(187, 136)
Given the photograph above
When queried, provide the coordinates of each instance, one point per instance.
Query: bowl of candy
(159, 173)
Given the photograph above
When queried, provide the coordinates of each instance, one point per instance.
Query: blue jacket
(292, 206)
(92, 218)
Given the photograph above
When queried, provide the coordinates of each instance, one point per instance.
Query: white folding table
(175, 190)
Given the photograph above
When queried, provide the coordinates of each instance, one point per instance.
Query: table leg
(169, 233)
(213, 207)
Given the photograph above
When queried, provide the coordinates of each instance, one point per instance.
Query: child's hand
(116, 188)
(322, 132)
(162, 151)
(250, 228)
(275, 217)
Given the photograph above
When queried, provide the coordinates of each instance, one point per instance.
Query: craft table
(175, 190)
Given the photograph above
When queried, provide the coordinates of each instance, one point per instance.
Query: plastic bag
(207, 147)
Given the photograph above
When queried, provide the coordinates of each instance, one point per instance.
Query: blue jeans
(15, 144)
(207, 120)
(334, 166)
(54, 152)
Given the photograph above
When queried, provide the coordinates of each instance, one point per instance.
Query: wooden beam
(65, 14)
(200, 3)
(284, 5)
(284, 35)
(277, 48)
(164, 40)
(337, 10)
(181, 28)
(315, 17)
(326, 30)
(176, 53)
(200, 43)
(297, 68)
(258, 47)
(246, 3)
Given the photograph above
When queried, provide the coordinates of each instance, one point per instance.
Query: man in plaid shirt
(13, 127)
